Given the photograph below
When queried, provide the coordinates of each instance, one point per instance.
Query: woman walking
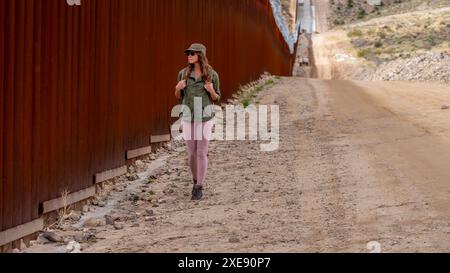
(198, 82)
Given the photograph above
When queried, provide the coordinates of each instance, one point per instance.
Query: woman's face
(192, 58)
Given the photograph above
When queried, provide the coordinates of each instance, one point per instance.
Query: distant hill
(347, 11)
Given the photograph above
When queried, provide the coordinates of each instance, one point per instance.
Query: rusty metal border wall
(82, 85)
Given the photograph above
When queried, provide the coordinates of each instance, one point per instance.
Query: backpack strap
(183, 73)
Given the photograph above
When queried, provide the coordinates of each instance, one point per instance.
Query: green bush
(269, 82)
(338, 22)
(245, 103)
(349, 4)
(378, 44)
(364, 53)
(431, 41)
(355, 32)
(361, 13)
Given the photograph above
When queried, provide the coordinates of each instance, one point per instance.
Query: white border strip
(139, 152)
(109, 174)
(160, 138)
(55, 204)
(18, 232)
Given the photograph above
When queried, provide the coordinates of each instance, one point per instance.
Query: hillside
(412, 45)
(347, 11)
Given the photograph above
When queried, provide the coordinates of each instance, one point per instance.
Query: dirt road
(358, 162)
(322, 9)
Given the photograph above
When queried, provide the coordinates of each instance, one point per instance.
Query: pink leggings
(197, 136)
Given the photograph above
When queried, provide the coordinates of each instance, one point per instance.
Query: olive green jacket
(196, 89)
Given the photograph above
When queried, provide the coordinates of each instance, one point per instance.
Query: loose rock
(94, 222)
(50, 236)
(75, 216)
(73, 247)
(118, 226)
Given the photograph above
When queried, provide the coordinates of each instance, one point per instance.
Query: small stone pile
(429, 67)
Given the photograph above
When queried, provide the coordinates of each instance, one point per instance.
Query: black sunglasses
(192, 53)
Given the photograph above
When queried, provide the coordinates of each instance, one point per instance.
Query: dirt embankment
(350, 11)
(411, 46)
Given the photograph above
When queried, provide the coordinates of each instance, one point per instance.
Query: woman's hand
(180, 86)
(209, 87)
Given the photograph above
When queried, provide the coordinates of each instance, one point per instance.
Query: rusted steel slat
(8, 182)
(2, 106)
(27, 108)
(37, 158)
(18, 143)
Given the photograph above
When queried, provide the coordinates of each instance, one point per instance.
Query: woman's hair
(204, 66)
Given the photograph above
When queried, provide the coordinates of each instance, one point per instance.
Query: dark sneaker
(197, 192)
(193, 186)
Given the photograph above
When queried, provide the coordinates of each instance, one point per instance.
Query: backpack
(183, 75)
